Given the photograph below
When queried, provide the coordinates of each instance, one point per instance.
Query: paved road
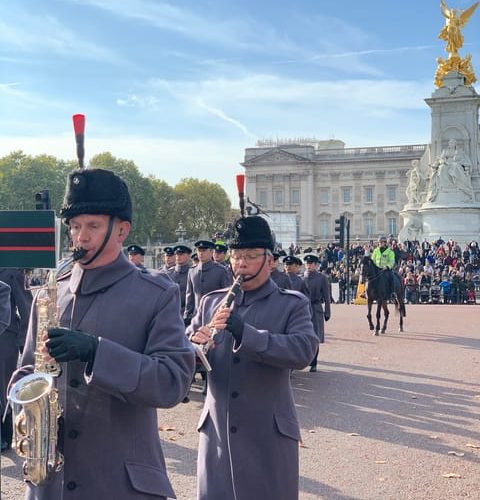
(384, 418)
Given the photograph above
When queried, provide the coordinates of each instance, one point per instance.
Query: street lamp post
(180, 232)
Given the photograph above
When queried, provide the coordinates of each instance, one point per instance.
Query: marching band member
(249, 432)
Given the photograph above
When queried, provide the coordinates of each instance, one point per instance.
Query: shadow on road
(394, 411)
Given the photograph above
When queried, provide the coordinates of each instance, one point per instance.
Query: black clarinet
(202, 350)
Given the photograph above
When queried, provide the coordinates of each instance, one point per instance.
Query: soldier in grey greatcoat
(12, 341)
(319, 294)
(249, 431)
(123, 352)
(281, 279)
(179, 274)
(136, 255)
(204, 278)
(219, 253)
(292, 266)
(168, 259)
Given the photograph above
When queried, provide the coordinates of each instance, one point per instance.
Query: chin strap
(104, 242)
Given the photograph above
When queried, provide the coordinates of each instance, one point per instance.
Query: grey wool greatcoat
(249, 432)
(179, 275)
(13, 338)
(143, 362)
(4, 306)
(281, 279)
(203, 279)
(319, 293)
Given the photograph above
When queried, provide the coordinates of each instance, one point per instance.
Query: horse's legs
(369, 314)
(402, 313)
(379, 310)
(385, 315)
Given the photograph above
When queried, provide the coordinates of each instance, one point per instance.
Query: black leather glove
(69, 345)
(187, 321)
(235, 326)
(326, 317)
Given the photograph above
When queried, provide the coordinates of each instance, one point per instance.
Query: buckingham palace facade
(318, 181)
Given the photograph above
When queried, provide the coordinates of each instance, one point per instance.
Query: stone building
(321, 180)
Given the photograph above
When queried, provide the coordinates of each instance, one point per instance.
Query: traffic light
(42, 200)
(340, 231)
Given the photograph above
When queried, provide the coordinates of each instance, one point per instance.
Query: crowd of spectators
(432, 271)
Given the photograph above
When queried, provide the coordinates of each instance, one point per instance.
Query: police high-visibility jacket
(383, 257)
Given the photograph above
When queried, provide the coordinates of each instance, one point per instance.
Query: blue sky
(182, 88)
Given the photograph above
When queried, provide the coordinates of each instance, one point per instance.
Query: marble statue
(450, 172)
(413, 193)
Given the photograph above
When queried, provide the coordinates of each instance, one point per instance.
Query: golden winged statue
(451, 33)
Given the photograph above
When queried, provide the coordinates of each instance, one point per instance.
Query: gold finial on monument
(455, 20)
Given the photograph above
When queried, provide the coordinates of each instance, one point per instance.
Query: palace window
(295, 196)
(262, 197)
(278, 198)
(392, 225)
(324, 228)
(369, 229)
(346, 194)
(368, 194)
(391, 193)
(324, 198)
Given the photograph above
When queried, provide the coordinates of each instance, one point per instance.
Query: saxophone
(36, 395)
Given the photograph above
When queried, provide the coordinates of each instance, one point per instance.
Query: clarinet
(202, 350)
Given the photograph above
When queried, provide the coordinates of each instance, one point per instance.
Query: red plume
(79, 124)
(240, 183)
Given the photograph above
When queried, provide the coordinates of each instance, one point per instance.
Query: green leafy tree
(22, 176)
(203, 207)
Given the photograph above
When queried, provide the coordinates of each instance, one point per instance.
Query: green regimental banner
(27, 238)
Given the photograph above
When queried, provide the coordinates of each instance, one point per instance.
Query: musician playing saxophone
(122, 349)
(249, 433)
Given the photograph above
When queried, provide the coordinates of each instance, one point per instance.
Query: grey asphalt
(388, 417)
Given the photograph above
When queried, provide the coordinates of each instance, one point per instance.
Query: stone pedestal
(460, 223)
(450, 206)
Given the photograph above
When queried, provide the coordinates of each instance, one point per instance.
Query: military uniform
(12, 339)
(4, 306)
(281, 279)
(249, 431)
(319, 293)
(179, 274)
(202, 279)
(249, 409)
(141, 361)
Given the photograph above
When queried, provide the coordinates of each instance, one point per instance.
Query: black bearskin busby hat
(252, 232)
(96, 191)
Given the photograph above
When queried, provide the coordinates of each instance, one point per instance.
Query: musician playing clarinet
(249, 432)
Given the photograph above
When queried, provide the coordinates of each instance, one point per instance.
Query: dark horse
(376, 286)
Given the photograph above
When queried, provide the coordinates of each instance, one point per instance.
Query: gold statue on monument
(451, 33)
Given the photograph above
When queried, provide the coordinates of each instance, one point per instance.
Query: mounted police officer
(384, 258)
(319, 294)
(204, 278)
(123, 351)
(12, 341)
(249, 432)
(136, 255)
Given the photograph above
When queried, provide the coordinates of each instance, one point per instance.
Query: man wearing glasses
(249, 432)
